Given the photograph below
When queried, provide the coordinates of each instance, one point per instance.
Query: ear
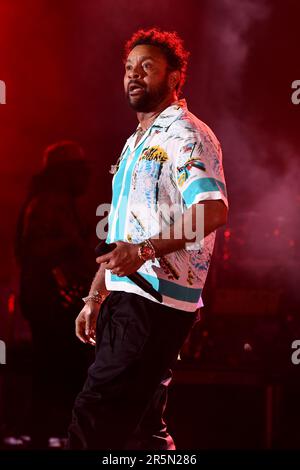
(174, 78)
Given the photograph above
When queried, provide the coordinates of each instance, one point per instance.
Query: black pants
(123, 399)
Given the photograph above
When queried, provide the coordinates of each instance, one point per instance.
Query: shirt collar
(168, 115)
(163, 121)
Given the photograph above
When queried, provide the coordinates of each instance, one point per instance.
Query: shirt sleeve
(198, 167)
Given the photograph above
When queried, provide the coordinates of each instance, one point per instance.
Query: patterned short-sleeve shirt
(177, 163)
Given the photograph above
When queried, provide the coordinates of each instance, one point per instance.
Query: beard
(149, 99)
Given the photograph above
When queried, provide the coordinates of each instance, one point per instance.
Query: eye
(147, 65)
(128, 67)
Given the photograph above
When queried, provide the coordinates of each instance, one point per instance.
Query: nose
(135, 72)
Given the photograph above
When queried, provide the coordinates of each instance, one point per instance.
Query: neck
(146, 118)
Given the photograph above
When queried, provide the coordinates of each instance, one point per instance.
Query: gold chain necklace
(142, 131)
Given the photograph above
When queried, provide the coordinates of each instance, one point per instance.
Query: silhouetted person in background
(55, 264)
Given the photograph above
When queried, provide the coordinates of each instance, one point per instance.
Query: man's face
(146, 79)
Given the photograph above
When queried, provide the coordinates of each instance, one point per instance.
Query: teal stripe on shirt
(202, 185)
(117, 184)
(121, 219)
(175, 291)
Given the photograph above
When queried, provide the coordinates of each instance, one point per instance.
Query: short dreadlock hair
(169, 43)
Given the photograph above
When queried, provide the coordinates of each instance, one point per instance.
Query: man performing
(172, 161)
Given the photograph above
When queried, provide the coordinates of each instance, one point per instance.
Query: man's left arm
(193, 221)
(124, 259)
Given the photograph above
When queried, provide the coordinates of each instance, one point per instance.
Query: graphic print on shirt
(147, 173)
(145, 193)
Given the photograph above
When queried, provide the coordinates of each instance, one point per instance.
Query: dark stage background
(61, 63)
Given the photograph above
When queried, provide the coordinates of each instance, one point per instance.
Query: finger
(117, 272)
(91, 341)
(93, 332)
(112, 266)
(91, 337)
(79, 329)
(87, 325)
(103, 258)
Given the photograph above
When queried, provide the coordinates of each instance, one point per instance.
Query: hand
(86, 323)
(123, 260)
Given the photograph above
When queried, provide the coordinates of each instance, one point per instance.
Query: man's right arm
(98, 283)
(87, 318)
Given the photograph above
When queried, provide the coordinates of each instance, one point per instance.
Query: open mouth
(135, 89)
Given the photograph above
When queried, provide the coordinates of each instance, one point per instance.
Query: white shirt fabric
(177, 163)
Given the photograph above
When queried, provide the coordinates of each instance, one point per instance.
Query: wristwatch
(94, 297)
(146, 251)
